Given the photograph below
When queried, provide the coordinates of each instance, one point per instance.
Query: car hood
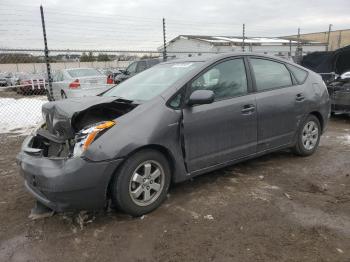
(65, 118)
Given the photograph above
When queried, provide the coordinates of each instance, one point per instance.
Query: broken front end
(339, 93)
(52, 159)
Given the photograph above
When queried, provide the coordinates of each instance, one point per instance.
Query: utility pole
(290, 48)
(164, 41)
(243, 39)
(328, 38)
(299, 50)
(46, 51)
(339, 39)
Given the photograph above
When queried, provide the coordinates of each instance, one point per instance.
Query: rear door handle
(248, 109)
(299, 97)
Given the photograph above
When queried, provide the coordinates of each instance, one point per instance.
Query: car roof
(216, 57)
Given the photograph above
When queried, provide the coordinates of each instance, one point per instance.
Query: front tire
(308, 137)
(141, 183)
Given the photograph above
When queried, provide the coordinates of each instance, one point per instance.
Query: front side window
(269, 74)
(227, 79)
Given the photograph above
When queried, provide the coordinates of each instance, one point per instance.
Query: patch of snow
(345, 139)
(20, 116)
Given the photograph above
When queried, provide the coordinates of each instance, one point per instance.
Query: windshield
(152, 82)
(83, 72)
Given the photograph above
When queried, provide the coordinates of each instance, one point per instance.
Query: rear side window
(269, 74)
(299, 74)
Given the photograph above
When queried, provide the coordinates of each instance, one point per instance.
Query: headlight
(86, 136)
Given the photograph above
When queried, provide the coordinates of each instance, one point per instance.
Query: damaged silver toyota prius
(176, 120)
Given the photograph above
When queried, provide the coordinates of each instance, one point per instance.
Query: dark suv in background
(133, 69)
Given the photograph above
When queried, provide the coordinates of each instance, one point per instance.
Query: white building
(197, 45)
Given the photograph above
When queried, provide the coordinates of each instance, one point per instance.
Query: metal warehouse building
(197, 45)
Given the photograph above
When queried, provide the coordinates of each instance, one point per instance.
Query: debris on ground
(209, 217)
(142, 217)
(340, 251)
(261, 177)
(84, 218)
(288, 196)
(39, 211)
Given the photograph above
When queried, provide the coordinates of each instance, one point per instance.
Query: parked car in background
(334, 66)
(174, 121)
(3, 79)
(8, 79)
(133, 69)
(32, 84)
(79, 82)
(339, 92)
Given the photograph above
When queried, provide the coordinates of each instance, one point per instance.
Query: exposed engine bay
(68, 131)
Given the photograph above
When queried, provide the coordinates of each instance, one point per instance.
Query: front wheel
(308, 136)
(142, 183)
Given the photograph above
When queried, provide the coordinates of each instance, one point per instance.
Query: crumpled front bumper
(65, 184)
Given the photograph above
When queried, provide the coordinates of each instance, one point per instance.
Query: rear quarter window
(299, 74)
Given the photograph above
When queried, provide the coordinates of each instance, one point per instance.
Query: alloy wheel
(146, 183)
(310, 135)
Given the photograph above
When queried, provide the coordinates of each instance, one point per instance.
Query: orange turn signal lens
(91, 137)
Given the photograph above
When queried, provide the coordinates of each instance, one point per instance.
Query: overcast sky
(131, 24)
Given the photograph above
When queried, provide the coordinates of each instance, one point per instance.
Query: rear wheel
(142, 183)
(308, 136)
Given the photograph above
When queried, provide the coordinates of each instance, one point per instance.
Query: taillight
(109, 79)
(75, 84)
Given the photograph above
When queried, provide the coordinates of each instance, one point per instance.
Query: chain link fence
(24, 81)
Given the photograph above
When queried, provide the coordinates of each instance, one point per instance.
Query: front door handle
(299, 97)
(248, 109)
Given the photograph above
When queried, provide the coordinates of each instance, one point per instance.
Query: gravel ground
(275, 208)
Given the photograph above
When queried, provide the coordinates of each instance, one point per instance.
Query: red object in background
(75, 84)
(110, 79)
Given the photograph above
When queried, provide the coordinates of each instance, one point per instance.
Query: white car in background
(79, 82)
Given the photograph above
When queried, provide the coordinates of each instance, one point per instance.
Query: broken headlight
(86, 136)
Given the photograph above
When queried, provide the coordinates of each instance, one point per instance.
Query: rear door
(279, 100)
(227, 128)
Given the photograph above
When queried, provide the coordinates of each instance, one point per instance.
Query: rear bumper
(66, 184)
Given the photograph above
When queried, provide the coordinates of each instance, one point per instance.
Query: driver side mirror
(201, 97)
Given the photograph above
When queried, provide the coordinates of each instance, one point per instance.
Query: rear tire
(141, 184)
(308, 138)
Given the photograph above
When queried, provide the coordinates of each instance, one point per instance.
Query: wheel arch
(319, 116)
(162, 149)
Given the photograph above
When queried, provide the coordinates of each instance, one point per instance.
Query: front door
(225, 129)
